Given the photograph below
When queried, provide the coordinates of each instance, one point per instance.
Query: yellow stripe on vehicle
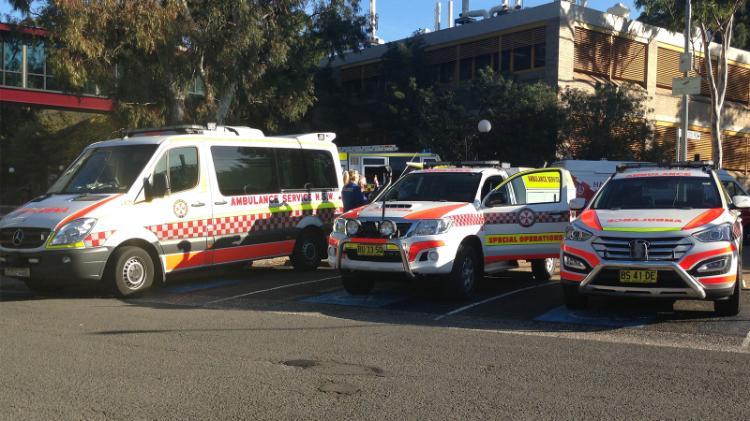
(517, 239)
(634, 229)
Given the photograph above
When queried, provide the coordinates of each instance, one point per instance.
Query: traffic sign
(686, 62)
(690, 85)
(691, 134)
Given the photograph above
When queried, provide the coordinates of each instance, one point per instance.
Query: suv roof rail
(467, 164)
(181, 129)
(704, 165)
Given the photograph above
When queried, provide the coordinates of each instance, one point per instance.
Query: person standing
(352, 193)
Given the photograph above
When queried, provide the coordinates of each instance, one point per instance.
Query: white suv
(459, 221)
(652, 231)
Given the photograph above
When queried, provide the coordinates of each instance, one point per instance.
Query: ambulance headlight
(73, 232)
(575, 234)
(721, 232)
(352, 227)
(339, 225)
(432, 226)
(387, 228)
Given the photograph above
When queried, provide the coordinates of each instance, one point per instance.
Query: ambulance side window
(183, 169)
(321, 171)
(537, 187)
(244, 170)
(489, 184)
(291, 166)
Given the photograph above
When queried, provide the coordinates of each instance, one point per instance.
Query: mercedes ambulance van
(129, 211)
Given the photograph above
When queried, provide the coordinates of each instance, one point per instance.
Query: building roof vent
(620, 10)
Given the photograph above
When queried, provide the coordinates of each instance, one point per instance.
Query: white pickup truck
(454, 223)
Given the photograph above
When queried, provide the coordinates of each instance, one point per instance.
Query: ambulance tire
(132, 271)
(543, 269)
(308, 250)
(730, 306)
(356, 283)
(573, 299)
(461, 283)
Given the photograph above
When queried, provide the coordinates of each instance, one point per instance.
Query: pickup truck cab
(670, 232)
(454, 223)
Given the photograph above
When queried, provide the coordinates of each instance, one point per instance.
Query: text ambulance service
(128, 211)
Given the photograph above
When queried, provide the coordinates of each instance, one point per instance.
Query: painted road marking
(746, 342)
(221, 300)
(181, 289)
(584, 317)
(343, 298)
(487, 300)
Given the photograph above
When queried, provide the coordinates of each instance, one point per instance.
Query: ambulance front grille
(369, 229)
(29, 237)
(664, 249)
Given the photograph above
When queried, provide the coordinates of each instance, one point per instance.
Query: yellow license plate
(638, 276)
(370, 250)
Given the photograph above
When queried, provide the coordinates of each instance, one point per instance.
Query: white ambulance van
(129, 211)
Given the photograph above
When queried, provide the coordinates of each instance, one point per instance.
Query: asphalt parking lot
(217, 321)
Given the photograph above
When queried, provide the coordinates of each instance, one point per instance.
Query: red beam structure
(56, 100)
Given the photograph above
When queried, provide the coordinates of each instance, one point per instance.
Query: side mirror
(148, 190)
(741, 201)
(577, 204)
(159, 186)
(497, 198)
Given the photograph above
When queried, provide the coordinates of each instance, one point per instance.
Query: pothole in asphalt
(335, 368)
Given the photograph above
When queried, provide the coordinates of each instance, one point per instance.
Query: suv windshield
(435, 187)
(110, 169)
(659, 193)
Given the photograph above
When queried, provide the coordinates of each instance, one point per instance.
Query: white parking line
(746, 342)
(268, 289)
(487, 300)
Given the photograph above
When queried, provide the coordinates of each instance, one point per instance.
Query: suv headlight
(721, 232)
(576, 234)
(387, 228)
(73, 232)
(432, 226)
(339, 225)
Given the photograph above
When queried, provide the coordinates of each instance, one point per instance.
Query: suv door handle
(198, 204)
(223, 202)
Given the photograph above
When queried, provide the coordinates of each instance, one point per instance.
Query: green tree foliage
(715, 21)
(254, 59)
(607, 123)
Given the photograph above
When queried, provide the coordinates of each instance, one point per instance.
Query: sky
(400, 18)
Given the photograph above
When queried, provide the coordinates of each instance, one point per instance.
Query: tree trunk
(225, 103)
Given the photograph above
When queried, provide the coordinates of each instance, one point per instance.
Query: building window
(464, 72)
(610, 56)
(12, 62)
(505, 61)
(482, 61)
(447, 72)
(521, 59)
(540, 52)
(35, 65)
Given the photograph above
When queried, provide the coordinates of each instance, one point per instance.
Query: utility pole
(682, 147)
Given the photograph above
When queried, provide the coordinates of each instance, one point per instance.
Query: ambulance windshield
(435, 187)
(110, 169)
(659, 193)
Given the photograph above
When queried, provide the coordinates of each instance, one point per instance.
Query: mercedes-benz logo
(17, 237)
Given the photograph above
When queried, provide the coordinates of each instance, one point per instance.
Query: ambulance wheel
(132, 270)
(462, 281)
(357, 283)
(308, 251)
(542, 269)
(574, 300)
(730, 306)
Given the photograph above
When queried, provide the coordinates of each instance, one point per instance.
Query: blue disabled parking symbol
(596, 318)
(376, 299)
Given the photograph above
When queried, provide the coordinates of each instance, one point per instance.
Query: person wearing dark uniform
(352, 194)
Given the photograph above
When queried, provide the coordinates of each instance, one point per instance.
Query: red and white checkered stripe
(97, 239)
(239, 224)
(467, 219)
(512, 217)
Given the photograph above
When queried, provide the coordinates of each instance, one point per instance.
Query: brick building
(565, 45)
